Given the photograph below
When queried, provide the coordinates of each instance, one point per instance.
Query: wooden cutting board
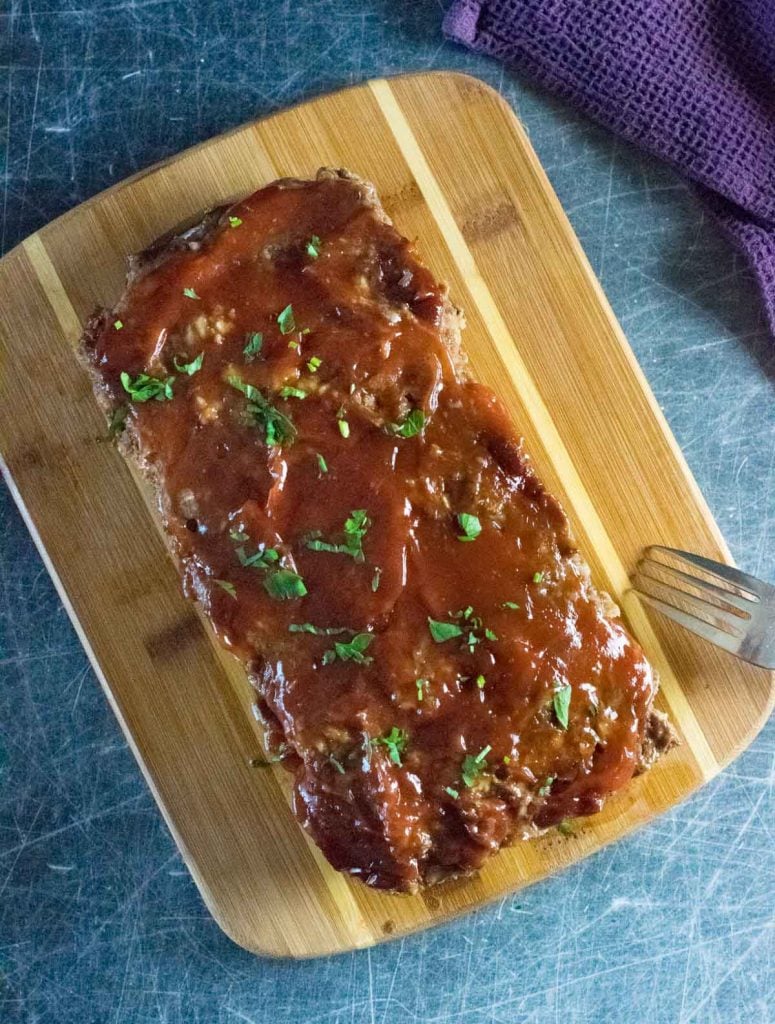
(455, 170)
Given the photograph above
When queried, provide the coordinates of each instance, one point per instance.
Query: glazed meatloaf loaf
(359, 521)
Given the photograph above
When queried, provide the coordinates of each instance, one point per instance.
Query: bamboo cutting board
(454, 170)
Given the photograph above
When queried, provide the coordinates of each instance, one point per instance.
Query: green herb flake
(512, 605)
(376, 579)
(422, 685)
(451, 792)
(313, 247)
(411, 425)
(561, 702)
(294, 345)
(322, 464)
(235, 222)
(286, 321)
(441, 631)
(565, 829)
(143, 388)
(352, 651)
(278, 428)
(489, 635)
(506, 759)
(538, 577)
(117, 421)
(264, 558)
(254, 342)
(355, 528)
(238, 536)
(308, 627)
(344, 427)
(470, 526)
(284, 585)
(337, 764)
(473, 766)
(289, 392)
(230, 589)
(395, 741)
(314, 364)
(481, 682)
(545, 789)
(190, 293)
(189, 368)
(118, 324)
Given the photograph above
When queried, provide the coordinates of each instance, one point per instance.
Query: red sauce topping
(445, 679)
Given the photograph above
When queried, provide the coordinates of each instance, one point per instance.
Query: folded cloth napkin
(691, 80)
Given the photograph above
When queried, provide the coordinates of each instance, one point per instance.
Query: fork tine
(731, 599)
(702, 629)
(716, 569)
(711, 615)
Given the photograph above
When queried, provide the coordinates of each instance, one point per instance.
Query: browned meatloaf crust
(363, 528)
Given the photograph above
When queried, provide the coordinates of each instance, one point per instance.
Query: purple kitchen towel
(691, 80)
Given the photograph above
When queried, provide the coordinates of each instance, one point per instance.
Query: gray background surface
(99, 921)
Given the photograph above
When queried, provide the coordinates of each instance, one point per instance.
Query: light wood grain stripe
(69, 321)
(583, 506)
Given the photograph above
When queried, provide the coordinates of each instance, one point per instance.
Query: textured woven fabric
(691, 80)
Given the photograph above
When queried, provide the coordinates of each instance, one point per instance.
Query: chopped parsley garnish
(481, 682)
(344, 427)
(235, 222)
(230, 589)
(421, 685)
(278, 428)
(451, 792)
(352, 651)
(294, 345)
(313, 247)
(561, 702)
(470, 526)
(189, 368)
(468, 626)
(510, 604)
(354, 531)
(117, 421)
(286, 321)
(314, 364)
(441, 631)
(506, 759)
(565, 829)
(118, 324)
(289, 392)
(143, 388)
(307, 627)
(254, 342)
(322, 464)
(190, 293)
(544, 790)
(473, 766)
(264, 558)
(395, 741)
(411, 425)
(538, 577)
(284, 585)
(376, 579)
(337, 764)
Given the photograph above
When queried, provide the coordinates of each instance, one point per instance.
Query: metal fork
(728, 607)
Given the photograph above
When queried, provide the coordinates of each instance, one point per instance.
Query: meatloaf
(363, 528)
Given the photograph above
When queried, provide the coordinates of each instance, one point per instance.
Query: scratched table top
(99, 920)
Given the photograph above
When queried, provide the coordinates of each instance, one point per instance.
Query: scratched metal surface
(99, 921)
